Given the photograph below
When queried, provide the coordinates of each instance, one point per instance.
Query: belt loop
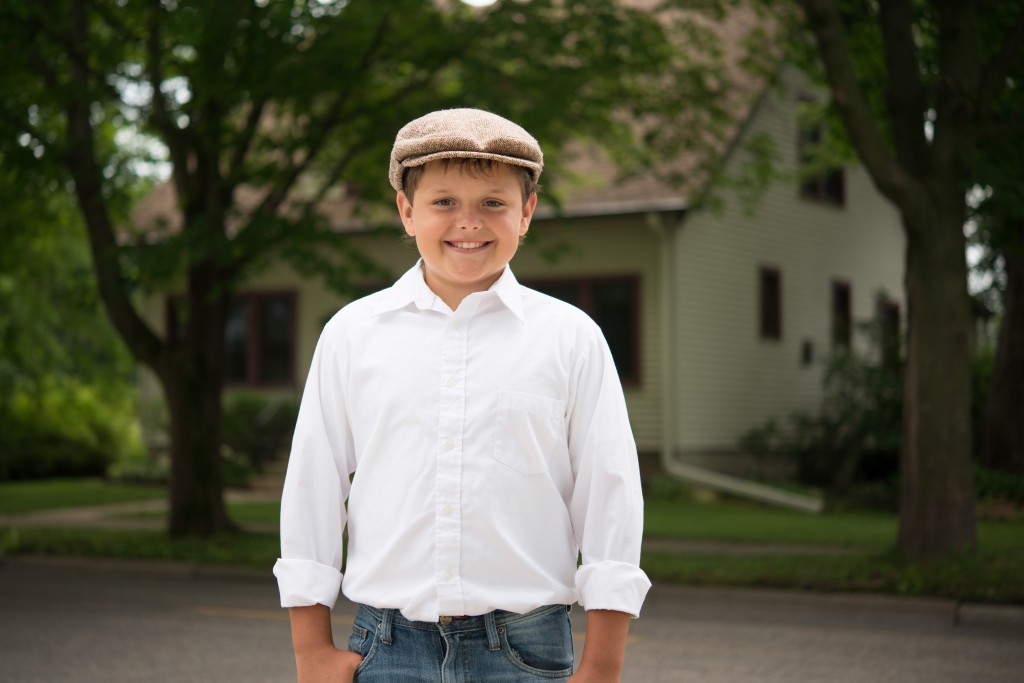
(387, 616)
(493, 644)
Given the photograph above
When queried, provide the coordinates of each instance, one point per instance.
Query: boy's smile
(467, 224)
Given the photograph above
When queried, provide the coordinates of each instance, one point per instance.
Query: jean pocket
(529, 429)
(542, 646)
(364, 643)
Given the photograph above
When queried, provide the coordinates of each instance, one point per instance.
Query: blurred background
(798, 223)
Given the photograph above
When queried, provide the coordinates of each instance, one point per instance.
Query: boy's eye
(444, 202)
(494, 203)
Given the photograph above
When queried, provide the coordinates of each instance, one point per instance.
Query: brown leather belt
(444, 621)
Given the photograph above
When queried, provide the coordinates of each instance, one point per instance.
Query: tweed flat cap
(460, 134)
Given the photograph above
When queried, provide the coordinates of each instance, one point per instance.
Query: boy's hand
(329, 665)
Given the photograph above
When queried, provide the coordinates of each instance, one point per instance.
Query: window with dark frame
(842, 317)
(614, 304)
(827, 186)
(770, 290)
(259, 338)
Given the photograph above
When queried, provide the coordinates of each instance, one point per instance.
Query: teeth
(468, 245)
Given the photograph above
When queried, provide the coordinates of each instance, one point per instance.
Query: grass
(19, 497)
(995, 572)
(747, 522)
(259, 511)
(249, 549)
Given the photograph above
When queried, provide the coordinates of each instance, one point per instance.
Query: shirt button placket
(447, 516)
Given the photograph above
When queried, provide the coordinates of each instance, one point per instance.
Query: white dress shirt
(486, 448)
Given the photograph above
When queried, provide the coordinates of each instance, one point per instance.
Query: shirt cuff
(618, 586)
(305, 582)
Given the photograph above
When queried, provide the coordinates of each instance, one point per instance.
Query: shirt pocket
(529, 430)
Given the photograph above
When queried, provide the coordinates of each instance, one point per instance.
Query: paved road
(92, 622)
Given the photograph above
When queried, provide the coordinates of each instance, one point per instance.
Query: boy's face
(467, 226)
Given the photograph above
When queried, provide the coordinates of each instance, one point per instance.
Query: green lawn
(735, 521)
(994, 573)
(18, 497)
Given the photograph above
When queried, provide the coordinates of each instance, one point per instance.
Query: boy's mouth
(466, 246)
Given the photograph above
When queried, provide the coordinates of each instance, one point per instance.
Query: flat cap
(460, 134)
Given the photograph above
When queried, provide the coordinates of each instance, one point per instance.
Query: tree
(1000, 229)
(263, 108)
(919, 86)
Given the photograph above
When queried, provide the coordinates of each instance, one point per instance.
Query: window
(259, 338)
(771, 303)
(614, 304)
(842, 321)
(826, 185)
(889, 319)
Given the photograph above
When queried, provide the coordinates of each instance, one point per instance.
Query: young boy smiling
(478, 432)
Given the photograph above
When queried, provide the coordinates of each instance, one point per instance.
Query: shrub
(65, 429)
(856, 435)
(257, 428)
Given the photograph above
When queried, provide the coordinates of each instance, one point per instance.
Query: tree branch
(960, 79)
(241, 150)
(904, 90)
(81, 158)
(177, 142)
(890, 178)
(331, 120)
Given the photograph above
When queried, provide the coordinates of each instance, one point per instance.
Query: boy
(478, 431)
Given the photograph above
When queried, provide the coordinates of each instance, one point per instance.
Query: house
(718, 320)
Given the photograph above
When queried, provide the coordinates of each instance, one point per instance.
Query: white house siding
(727, 378)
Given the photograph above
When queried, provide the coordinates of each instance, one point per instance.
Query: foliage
(856, 435)
(52, 329)
(65, 429)
(257, 428)
(999, 486)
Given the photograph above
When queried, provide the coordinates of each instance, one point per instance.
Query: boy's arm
(604, 648)
(316, 658)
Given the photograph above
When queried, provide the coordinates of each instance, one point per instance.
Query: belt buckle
(445, 621)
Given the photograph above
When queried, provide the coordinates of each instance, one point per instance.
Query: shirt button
(449, 444)
(446, 510)
(447, 576)
(457, 325)
(450, 381)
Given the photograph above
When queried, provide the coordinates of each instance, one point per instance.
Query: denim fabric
(500, 647)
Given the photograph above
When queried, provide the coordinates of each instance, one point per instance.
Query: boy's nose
(469, 219)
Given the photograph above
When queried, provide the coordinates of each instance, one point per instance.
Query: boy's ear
(405, 211)
(528, 208)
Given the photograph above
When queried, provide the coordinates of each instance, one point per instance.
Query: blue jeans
(499, 647)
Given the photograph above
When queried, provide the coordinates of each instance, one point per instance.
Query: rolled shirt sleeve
(317, 483)
(606, 507)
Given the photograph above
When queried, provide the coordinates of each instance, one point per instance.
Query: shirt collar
(412, 288)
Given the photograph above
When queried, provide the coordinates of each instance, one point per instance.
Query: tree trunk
(193, 384)
(937, 499)
(1002, 435)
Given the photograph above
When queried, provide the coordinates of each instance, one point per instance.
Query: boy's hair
(474, 167)
(463, 134)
